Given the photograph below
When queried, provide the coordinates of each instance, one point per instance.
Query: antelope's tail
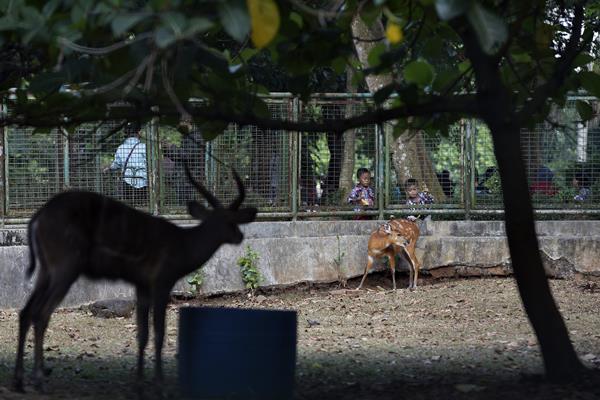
(32, 244)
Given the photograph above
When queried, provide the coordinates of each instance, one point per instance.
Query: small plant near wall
(196, 279)
(337, 260)
(249, 268)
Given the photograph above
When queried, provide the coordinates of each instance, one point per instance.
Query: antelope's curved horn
(212, 200)
(242, 192)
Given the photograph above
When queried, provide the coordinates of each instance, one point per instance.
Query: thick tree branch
(462, 104)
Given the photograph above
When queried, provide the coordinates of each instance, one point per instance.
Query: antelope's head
(222, 222)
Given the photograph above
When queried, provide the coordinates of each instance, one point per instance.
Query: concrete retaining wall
(294, 252)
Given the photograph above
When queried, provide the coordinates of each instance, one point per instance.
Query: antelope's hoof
(17, 386)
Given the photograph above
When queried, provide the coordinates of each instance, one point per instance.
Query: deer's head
(222, 221)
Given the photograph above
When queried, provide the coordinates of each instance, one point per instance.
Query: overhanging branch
(462, 104)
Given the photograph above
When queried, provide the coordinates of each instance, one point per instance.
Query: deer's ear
(197, 210)
(246, 215)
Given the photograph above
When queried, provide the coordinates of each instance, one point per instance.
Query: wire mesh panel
(106, 159)
(34, 168)
(486, 180)
(262, 159)
(562, 159)
(431, 162)
(329, 162)
(176, 151)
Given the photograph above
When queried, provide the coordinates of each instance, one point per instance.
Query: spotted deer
(408, 230)
(80, 233)
(383, 242)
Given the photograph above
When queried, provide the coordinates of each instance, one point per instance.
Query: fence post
(153, 165)
(3, 180)
(295, 137)
(66, 159)
(380, 165)
(468, 167)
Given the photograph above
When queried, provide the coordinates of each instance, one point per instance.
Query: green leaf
(8, 23)
(297, 18)
(582, 59)
(260, 108)
(464, 66)
(339, 65)
(419, 72)
(491, 30)
(235, 19)
(374, 57)
(123, 22)
(175, 21)
(433, 48)
(213, 129)
(586, 112)
(448, 9)
(590, 81)
(198, 25)
(523, 58)
(164, 37)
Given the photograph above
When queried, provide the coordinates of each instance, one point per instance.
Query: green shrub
(249, 268)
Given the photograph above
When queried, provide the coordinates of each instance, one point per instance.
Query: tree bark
(348, 153)
(497, 111)
(409, 156)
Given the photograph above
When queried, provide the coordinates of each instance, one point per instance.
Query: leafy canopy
(63, 61)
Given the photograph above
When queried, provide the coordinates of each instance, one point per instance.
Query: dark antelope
(86, 234)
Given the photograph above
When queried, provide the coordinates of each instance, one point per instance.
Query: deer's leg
(160, 309)
(414, 267)
(367, 268)
(391, 255)
(142, 310)
(25, 320)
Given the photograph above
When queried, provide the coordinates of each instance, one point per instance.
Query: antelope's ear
(246, 215)
(197, 210)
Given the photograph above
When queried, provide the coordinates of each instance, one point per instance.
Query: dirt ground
(458, 339)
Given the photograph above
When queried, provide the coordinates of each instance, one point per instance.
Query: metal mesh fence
(105, 160)
(433, 162)
(36, 168)
(289, 172)
(329, 162)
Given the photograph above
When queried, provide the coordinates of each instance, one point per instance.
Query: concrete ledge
(305, 251)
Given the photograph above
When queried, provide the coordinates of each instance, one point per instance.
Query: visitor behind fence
(581, 183)
(362, 195)
(191, 151)
(130, 161)
(414, 197)
(543, 182)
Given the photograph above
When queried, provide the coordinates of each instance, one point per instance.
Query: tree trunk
(349, 139)
(560, 359)
(409, 156)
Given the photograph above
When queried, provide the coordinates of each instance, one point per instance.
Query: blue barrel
(228, 353)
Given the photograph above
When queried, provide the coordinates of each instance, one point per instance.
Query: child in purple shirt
(362, 195)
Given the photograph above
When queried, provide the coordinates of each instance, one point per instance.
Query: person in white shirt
(130, 160)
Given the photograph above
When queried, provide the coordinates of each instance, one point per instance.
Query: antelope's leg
(160, 309)
(25, 320)
(142, 310)
(367, 268)
(42, 310)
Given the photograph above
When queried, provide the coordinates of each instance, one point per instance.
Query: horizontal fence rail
(291, 175)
